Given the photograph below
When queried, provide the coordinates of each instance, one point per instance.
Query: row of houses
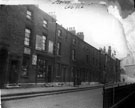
(35, 49)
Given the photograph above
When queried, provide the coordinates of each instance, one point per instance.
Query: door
(49, 73)
(64, 73)
(13, 71)
(3, 63)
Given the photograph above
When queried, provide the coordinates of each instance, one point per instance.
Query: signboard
(50, 49)
(34, 59)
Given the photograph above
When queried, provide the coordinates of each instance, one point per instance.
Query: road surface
(80, 99)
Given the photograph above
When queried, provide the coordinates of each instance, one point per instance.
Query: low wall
(116, 93)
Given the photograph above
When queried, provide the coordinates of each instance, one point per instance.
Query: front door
(49, 73)
(13, 71)
(3, 63)
(64, 73)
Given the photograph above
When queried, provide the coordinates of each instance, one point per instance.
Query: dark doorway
(13, 71)
(49, 73)
(64, 69)
(3, 62)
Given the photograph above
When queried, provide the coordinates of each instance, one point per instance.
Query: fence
(119, 96)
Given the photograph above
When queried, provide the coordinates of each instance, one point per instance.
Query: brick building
(35, 49)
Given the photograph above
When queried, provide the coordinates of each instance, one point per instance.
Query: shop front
(3, 65)
(44, 70)
(41, 70)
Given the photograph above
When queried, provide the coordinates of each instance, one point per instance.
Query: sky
(101, 28)
(127, 19)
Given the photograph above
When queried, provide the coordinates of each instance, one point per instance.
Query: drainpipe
(55, 48)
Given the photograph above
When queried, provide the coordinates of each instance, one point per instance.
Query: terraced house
(35, 49)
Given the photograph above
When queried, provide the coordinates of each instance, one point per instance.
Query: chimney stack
(109, 50)
(52, 14)
(104, 50)
(72, 30)
(80, 35)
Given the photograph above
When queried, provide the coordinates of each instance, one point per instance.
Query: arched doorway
(3, 63)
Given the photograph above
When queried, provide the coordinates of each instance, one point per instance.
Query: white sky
(100, 28)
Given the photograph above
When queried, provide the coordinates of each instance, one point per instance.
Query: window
(73, 54)
(27, 37)
(50, 47)
(45, 23)
(41, 68)
(59, 48)
(59, 33)
(44, 42)
(41, 42)
(29, 14)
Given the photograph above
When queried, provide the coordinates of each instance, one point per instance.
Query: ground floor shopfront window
(41, 69)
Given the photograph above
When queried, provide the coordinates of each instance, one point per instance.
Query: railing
(118, 96)
(127, 102)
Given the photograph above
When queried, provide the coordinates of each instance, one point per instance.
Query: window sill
(27, 46)
(44, 51)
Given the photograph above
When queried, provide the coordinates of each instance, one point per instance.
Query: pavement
(18, 93)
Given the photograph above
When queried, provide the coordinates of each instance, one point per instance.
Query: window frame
(59, 33)
(44, 42)
(50, 46)
(29, 14)
(42, 68)
(45, 23)
(59, 48)
(27, 37)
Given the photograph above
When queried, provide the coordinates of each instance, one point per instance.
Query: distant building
(128, 65)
